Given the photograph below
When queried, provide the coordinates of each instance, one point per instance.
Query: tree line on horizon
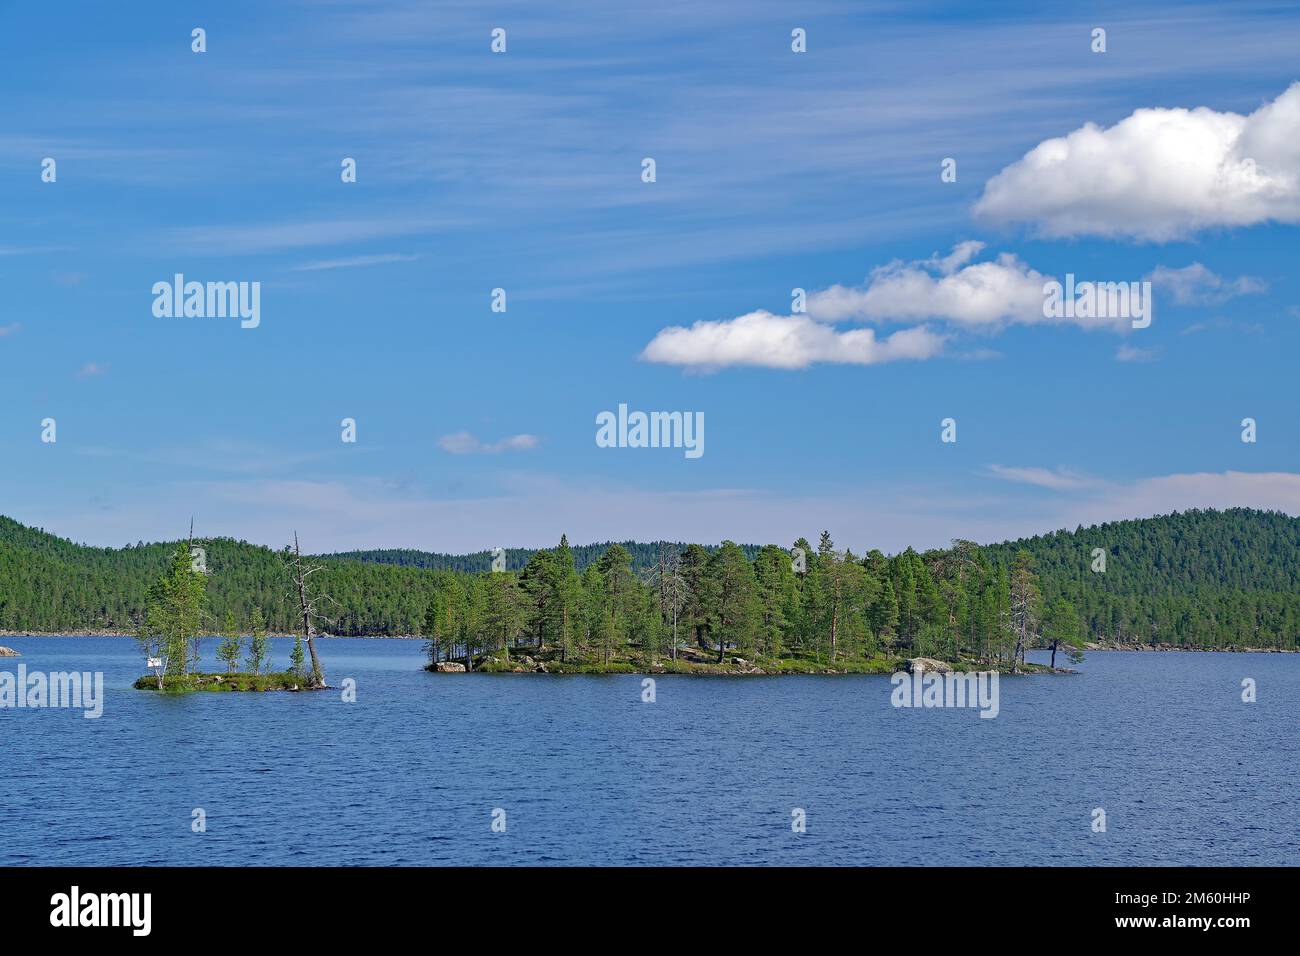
(1203, 578)
(644, 556)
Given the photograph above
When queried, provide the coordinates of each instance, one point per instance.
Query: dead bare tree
(671, 588)
(309, 600)
(666, 576)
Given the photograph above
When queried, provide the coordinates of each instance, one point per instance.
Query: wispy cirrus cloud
(354, 262)
(1056, 479)
(1087, 499)
(1131, 353)
(30, 250)
(278, 237)
(1197, 285)
(466, 443)
(341, 514)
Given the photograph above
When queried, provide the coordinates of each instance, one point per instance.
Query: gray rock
(928, 664)
(450, 667)
(9, 652)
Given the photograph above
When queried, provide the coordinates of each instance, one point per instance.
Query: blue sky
(522, 171)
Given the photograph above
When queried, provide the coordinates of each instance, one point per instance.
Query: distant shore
(1192, 648)
(1091, 646)
(376, 637)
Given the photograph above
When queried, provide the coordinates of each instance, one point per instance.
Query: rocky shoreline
(693, 663)
(1192, 649)
(230, 683)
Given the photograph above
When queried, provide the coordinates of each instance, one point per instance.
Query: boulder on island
(928, 664)
(449, 667)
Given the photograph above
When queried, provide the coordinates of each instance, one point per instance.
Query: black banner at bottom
(150, 905)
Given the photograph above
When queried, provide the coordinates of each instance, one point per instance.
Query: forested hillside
(1202, 578)
(1199, 577)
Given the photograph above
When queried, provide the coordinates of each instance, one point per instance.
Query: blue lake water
(708, 774)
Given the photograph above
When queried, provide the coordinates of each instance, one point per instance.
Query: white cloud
(1088, 500)
(952, 289)
(1158, 174)
(1197, 285)
(1279, 491)
(981, 296)
(1057, 479)
(1130, 353)
(92, 369)
(1222, 324)
(784, 341)
(10, 329)
(464, 443)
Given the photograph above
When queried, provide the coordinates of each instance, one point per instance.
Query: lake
(412, 771)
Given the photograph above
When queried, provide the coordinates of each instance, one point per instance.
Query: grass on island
(238, 681)
(693, 660)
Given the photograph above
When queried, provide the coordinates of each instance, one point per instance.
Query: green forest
(644, 556)
(1202, 578)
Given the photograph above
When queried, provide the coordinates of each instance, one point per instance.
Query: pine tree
(776, 592)
(539, 582)
(1062, 629)
(297, 659)
(884, 615)
(736, 610)
(231, 645)
(566, 608)
(431, 629)
(694, 568)
(259, 649)
(503, 612)
(173, 615)
(619, 582)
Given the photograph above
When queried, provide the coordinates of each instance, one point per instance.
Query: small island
(693, 661)
(175, 609)
(230, 681)
(804, 611)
